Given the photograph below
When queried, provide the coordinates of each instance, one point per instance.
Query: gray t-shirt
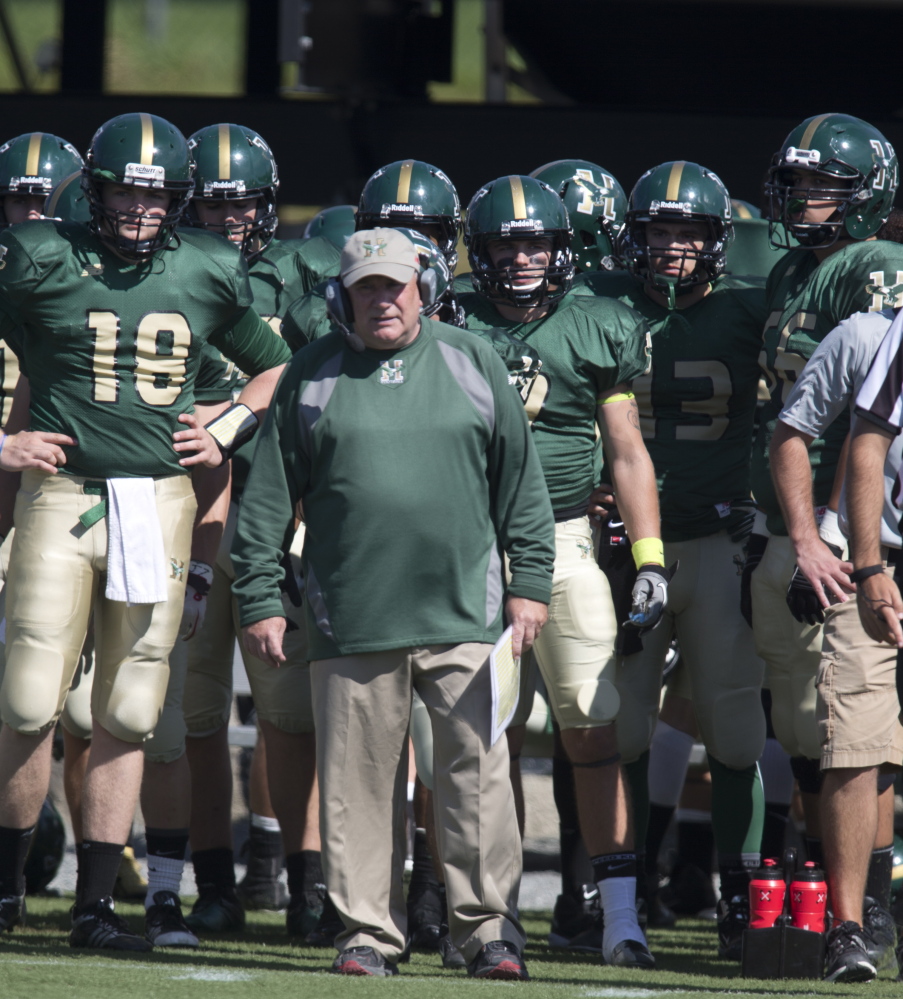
(830, 383)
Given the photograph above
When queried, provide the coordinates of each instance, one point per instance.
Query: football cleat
(363, 961)
(217, 910)
(880, 935)
(328, 927)
(499, 959)
(848, 959)
(733, 919)
(631, 954)
(164, 925)
(98, 926)
(302, 915)
(574, 915)
(12, 912)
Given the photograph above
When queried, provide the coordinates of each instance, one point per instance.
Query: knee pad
(735, 726)
(167, 743)
(206, 702)
(30, 700)
(598, 701)
(808, 774)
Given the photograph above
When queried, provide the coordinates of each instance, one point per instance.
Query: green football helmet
(854, 161)
(335, 224)
(67, 201)
(137, 150)
(678, 191)
(596, 204)
(745, 209)
(413, 193)
(518, 207)
(437, 288)
(34, 163)
(235, 164)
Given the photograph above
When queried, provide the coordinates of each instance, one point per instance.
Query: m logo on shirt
(885, 295)
(391, 373)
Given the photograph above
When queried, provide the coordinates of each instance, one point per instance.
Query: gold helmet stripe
(147, 140)
(403, 194)
(741, 211)
(33, 159)
(225, 153)
(54, 200)
(810, 131)
(677, 170)
(517, 197)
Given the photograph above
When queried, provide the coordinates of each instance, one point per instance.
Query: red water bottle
(809, 898)
(766, 895)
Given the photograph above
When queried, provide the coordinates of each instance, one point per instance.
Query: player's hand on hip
(263, 639)
(526, 618)
(880, 609)
(34, 449)
(601, 503)
(196, 439)
(821, 578)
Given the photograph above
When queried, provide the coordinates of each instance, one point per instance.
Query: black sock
(696, 844)
(659, 819)
(614, 865)
(14, 844)
(423, 874)
(98, 865)
(169, 843)
(574, 871)
(777, 815)
(264, 843)
(881, 867)
(214, 868)
(304, 872)
(813, 851)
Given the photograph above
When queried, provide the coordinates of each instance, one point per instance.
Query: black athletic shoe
(98, 926)
(733, 919)
(164, 925)
(501, 960)
(631, 954)
(302, 916)
(451, 956)
(261, 888)
(657, 913)
(328, 927)
(217, 910)
(880, 935)
(574, 915)
(363, 961)
(848, 959)
(12, 912)
(689, 890)
(425, 917)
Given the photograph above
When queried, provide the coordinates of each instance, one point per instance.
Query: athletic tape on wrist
(233, 428)
(648, 550)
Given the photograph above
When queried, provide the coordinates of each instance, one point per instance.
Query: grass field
(37, 963)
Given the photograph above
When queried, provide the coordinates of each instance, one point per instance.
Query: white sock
(619, 908)
(669, 758)
(777, 775)
(265, 822)
(163, 874)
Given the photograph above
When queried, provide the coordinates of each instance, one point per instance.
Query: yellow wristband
(617, 397)
(648, 550)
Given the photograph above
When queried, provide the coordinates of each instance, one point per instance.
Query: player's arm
(878, 598)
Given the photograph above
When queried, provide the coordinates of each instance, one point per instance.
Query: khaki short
(720, 671)
(857, 709)
(56, 583)
(575, 651)
(281, 696)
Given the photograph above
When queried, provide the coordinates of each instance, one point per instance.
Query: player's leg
(576, 656)
(726, 681)
(362, 707)
(48, 604)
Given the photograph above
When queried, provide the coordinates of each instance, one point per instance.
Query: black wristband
(870, 570)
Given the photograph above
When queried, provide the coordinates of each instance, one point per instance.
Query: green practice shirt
(587, 346)
(805, 300)
(416, 470)
(697, 405)
(112, 348)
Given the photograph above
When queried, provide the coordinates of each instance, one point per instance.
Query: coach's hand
(526, 618)
(820, 578)
(34, 449)
(263, 639)
(197, 439)
(880, 609)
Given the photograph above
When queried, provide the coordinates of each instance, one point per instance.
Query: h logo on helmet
(377, 249)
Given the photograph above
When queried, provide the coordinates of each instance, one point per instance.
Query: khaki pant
(56, 582)
(717, 658)
(575, 650)
(362, 706)
(791, 651)
(857, 707)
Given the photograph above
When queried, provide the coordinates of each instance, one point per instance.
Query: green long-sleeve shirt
(417, 470)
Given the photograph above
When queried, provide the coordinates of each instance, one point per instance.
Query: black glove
(650, 597)
(801, 596)
(755, 549)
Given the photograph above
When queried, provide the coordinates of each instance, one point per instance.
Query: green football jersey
(751, 253)
(697, 404)
(306, 320)
(112, 348)
(407, 511)
(805, 301)
(218, 378)
(587, 346)
(286, 270)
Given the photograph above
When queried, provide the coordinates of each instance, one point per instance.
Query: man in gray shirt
(857, 709)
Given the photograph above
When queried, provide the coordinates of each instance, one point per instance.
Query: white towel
(136, 565)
